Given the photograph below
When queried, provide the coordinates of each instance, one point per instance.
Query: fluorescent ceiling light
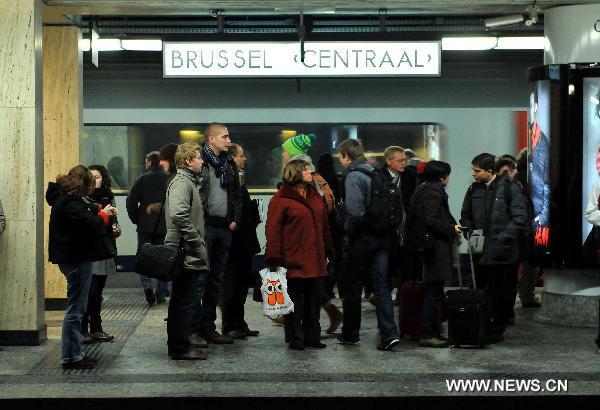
(520, 43)
(109, 44)
(142, 45)
(114, 44)
(492, 43)
(469, 43)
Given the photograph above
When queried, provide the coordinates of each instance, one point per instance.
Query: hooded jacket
(184, 215)
(74, 228)
(297, 231)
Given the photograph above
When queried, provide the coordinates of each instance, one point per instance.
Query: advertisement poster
(591, 156)
(539, 160)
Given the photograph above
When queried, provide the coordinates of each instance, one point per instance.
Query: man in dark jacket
(244, 245)
(144, 203)
(222, 200)
(496, 205)
(369, 250)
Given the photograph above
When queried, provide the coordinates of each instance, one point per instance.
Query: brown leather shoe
(198, 341)
(235, 334)
(216, 338)
(191, 354)
(335, 317)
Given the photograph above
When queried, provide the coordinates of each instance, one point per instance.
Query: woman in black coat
(433, 231)
(74, 228)
(91, 324)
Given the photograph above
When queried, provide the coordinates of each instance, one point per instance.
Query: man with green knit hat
(298, 145)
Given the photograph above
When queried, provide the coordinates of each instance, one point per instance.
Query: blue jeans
(79, 277)
(218, 242)
(161, 286)
(368, 261)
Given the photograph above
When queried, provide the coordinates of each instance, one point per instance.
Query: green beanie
(299, 144)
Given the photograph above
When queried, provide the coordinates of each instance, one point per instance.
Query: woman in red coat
(297, 239)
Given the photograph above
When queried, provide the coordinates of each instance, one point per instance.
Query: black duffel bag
(161, 262)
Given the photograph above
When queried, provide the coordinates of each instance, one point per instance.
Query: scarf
(219, 163)
(440, 188)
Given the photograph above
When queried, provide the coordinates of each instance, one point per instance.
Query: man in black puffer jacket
(144, 203)
(496, 205)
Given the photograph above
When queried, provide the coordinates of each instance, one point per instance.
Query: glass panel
(122, 148)
(539, 165)
(591, 146)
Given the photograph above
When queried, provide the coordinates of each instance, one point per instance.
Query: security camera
(530, 22)
(215, 12)
(503, 21)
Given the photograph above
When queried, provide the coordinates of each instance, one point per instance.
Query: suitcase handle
(460, 284)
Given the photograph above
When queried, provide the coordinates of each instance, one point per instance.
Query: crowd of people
(369, 231)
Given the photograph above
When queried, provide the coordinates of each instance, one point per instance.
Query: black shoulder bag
(161, 262)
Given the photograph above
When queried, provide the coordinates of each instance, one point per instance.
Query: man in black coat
(496, 205)
(144, 203)
(222, 199)
(244, 245)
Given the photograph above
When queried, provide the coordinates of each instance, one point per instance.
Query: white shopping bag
(276, 300)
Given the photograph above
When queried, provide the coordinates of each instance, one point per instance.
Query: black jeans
(302, 325)
(502, 281)
(235, 291)
(94, 306)
(184, 292)
(218, 242)
(434, 295)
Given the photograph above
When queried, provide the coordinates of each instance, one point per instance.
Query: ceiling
(456, 7)
(180, 17)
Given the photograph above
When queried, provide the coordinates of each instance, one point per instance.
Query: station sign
(283, 59)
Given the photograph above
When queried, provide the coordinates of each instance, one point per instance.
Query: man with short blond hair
(184, 216)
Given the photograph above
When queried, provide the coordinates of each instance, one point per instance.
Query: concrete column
(62, 129)
(572, 34)
(571, 295)
(21, 174)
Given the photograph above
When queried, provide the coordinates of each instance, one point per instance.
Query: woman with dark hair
(73, 226)
(433, 231)
(91, 324)
(298, 239)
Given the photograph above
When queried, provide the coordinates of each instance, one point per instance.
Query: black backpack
(384, 212)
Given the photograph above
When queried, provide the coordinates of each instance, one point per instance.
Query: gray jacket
(357, 196)
(184, 217)
(2, 219)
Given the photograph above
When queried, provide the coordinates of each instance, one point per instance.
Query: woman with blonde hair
(74, 225)
(298, 239)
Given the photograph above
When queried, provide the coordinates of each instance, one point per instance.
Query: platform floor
(136, 365)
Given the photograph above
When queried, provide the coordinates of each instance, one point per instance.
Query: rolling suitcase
(468, 313)
(412, 296)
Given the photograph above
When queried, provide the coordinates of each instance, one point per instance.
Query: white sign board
(321, 59)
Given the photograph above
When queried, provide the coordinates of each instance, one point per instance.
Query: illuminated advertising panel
(539, 160)
(591, 158)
